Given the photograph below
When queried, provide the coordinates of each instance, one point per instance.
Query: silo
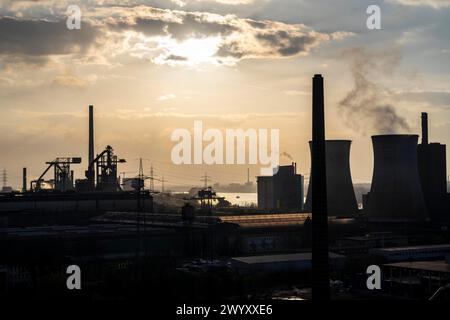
(340, 194)
(395, 194)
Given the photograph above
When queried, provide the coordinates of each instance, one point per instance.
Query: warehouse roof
(292, 257)
(413, 248)
(434, 266)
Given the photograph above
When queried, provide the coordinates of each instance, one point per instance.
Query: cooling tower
(340, 194)
(396, 193)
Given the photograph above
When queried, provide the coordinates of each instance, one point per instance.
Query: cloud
(162, 36)
(165, 97)
(179, 37)
(70, 80)
(113, 35)
(182, 3)
(169, 113)
(435, 98)
(430, 3)
(37, 39)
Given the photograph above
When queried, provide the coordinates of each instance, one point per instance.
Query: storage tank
(341, 200)
(396, 192)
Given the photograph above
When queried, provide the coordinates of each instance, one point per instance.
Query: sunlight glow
(191, 52)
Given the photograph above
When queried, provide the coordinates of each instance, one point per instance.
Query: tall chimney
(91, 134)
(90, 174)
(320, 269)
(424, 128)
(24, 180)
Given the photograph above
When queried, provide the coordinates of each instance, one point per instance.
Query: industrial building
(409, 182)
(414, 253)
(281, 192)
(99, 192)
(294, 262)
(341, 200)
(418, 272)
(427, 280)
(433, 175)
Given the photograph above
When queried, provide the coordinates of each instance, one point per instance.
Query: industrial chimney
(341, 200)
(320, 264)
(90, 174)
(24, 180)
(424, 128)
(396, 194)
(432, 163)
(91, 134)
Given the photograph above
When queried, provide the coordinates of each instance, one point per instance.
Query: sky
(151, 67)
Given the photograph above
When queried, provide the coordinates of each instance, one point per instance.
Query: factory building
(281, 192)
(433, 175)
(396, 192)
(341, 200)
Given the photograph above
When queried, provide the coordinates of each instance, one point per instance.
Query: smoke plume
(366, 108)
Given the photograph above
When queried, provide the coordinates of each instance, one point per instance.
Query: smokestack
(341, 200)
(91, 134)
(424, 128)
(90, 174)
(320, 269)
(24, 180)
(396, 193)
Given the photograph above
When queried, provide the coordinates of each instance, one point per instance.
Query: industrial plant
(63, 195)
(199, 246)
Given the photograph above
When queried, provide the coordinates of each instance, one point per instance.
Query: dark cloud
(176, 58)
(34, 40)
(147, 26)
(286, 44)
(179, 24)
(231, 49)
(198, 25)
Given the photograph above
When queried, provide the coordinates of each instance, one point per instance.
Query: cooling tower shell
(341, 200)
(395, 194)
